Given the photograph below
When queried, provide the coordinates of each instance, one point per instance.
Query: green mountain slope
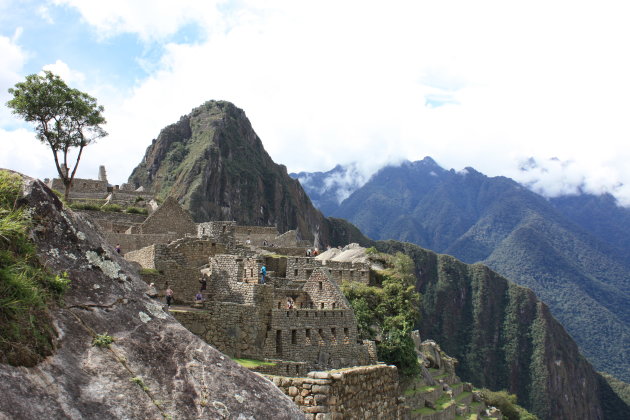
(505, 338)
(559, 251)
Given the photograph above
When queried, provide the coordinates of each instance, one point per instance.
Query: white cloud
(337, 82)
(149, 19)
(62, 70)
(13, 59)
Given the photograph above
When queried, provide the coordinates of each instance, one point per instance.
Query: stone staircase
(438, 394)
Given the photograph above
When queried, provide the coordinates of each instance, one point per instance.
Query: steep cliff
(505, 338)
(153, 369)
(574, 252)
(215, 165)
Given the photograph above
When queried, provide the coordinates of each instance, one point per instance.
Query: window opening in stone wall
(322, 305)
(351, 274)
(295, 272)
(279, 305)
(279, 342)
(321, 285)
(346, 336)
(333, 305)
(224, 228)
(321, 335)
(308, 335)
(293, 336)
(333, 332)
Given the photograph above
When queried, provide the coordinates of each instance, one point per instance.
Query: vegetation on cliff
(574, 252)
(27, 290)
(388, 312)
(507, 403)
(504, 337)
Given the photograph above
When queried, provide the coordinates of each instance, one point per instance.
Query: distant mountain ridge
(574, 252)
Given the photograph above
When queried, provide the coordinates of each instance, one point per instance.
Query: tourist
(169, 297)
(152, 291)
(203, 282)
(198, 297)
(263, 273)
(308, 252)
(315, 252)
(289, 303)
(118, 248)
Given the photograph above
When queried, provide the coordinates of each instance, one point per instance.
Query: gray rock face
(154, 369)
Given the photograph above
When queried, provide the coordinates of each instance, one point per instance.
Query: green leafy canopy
(64, 118)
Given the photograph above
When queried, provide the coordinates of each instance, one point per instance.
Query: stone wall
(222, 232)
(283, 250)
(170, 217)
(236, 330)
(258, 235)
(348, 271)
(81, 186)
(326, 338)
(323, 292)
(143, 256)
(366, 392)
(132, 242)
(114, 221)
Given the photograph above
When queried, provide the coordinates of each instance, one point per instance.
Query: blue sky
(486, 84)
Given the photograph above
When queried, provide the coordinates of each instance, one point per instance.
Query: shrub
(102, 340)
(507, 403)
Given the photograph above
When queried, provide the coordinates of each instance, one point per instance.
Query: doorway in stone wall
(279, 342)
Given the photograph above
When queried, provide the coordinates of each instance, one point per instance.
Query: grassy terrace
(427, 388)
(253, 364)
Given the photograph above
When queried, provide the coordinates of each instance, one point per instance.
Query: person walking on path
(203, 282)
(263, 273)
(169, 297)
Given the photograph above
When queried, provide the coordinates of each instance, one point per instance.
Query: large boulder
(154, 369)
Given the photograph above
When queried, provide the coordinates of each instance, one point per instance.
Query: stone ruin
(100, 191)
(240, 316)
(310, 348)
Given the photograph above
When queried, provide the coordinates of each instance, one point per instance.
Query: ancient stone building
(99, 191)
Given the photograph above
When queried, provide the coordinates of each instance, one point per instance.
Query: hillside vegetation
(573, 252)
(505, 338)
(27, 290)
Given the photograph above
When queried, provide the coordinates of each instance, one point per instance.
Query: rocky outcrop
(215, 165)
(154, 368)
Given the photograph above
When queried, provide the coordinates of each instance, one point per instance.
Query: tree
(64, 118)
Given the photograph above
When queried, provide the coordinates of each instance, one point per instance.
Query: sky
(538, 91)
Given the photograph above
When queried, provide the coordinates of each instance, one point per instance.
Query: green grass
(424, 411)
(427, 388)
(84, 206)
(27, 290)
(252, 364)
